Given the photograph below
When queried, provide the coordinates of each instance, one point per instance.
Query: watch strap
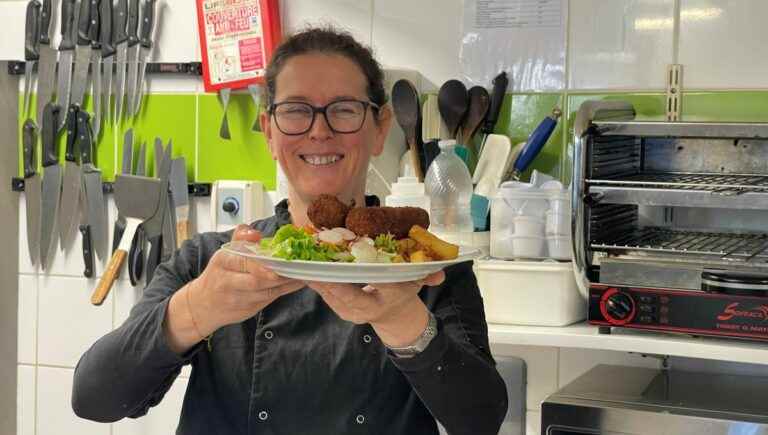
(421, 343)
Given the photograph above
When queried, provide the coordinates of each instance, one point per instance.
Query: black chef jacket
(296, 367)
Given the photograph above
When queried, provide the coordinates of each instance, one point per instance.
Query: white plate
(362, 273)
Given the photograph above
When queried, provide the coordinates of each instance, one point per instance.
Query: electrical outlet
(235, 202)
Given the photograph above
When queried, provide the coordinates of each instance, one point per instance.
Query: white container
(528, 226)
(557, 224)
(528, 246)
(407, 192)
(530, 293)
(559, 247)
(479, 239)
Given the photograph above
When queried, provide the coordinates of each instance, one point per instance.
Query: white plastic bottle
(449, 187)
(407, 192)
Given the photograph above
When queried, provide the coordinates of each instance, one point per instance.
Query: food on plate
(371, 235)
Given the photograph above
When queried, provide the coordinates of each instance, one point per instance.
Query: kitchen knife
(136, 252)
(83, 51)
(136, 199)
(158, 156)
(141, 163)
(70, 189)
(66, 51)
(153, 227)
(107, 54)
(96, 61)
(31, 190)
(120, 15)
(256, 91)
(500, 84)
(169, 222)
(180, 196)
(147, 28)
(127, 166)
(85, 231)
(51, 191)
(133, 52)
(94, 194)
(46, 71)
(31, 51)
(224, 95)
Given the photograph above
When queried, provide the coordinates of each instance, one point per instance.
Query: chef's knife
(180, 196)
(500, 83)
(31, 190)
(153, 227)
(83, 51)
(51, 191)
(94, 194)
(107, 54)
(127, 166)
(85, 231)
(169, 222)
(70, 190)
(136, 199)
(121, 42)
(66, 51)
(31, 51)
(96, 60)
(147, 27)
(158, 156)
(141, 163)
(46, 71)
(133, 52)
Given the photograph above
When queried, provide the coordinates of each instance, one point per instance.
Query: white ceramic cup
(525, 225)
(528, 246)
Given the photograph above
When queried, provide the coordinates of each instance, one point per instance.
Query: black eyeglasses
(343, 116)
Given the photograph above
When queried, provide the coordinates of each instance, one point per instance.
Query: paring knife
(146, 33)
(133, 52)
(136, 199)
(32, 190)
(169, 222)
(51, 184)
(119, 227)
(96, 59)
(108, 58)
(70, 190)
(500, 83)
(31, 53)
(153, 227)
(46, 71)
(66, 51)
(94, 194)
(121, 42)
(180, 196)
(83, 51)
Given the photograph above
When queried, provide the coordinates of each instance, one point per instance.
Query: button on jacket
(296, 367)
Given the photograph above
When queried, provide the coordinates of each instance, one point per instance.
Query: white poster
(525, 38)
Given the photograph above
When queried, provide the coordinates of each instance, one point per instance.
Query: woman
(276, 355)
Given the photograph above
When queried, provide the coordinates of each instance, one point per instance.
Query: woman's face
(322, 161)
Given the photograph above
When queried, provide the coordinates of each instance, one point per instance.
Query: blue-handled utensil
(535, 143)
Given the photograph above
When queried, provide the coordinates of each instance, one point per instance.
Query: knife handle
(84, 22)
(85, 230)
(67, 18)
(105, 29)
(136, 257)
(29, 142)
(182, 232)
(84, 137)
(117, 232)
(155, 254)
(95, 25)
(119, 22)
(71, 123)
(500, 83)
(32, 31)
(50, 129)
(133, 22)
(106, 281)
(44, 33)
(147, 23)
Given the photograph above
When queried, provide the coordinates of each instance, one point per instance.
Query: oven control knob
(619, 308)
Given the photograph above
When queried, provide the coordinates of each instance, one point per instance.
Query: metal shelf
(715, 183)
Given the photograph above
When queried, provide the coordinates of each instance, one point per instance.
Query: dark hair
(328, 40)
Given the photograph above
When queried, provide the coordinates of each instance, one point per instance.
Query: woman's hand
(230, 290)
(394, 310)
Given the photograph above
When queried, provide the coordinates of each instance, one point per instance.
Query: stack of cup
(558, 221)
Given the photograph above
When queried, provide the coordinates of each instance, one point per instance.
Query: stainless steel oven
(618, 400)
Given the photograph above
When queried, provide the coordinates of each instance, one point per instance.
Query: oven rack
(727, 246)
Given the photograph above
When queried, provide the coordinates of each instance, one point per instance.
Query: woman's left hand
(394, 310)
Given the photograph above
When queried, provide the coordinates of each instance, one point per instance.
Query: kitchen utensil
(453, 102)
(31, 51)
(180, 196)
(70, 190)
(87, 240)
(96, 63)
(169, 221)
(147, 28)
(51, 192)
(127, 166)
(108, 50)
(432, 124)
(256, 91)
(66, 51)
(46, 71)
(94, 195)
(136, 199)
(32, 190)
(120, 19)
(535, 143)
(153, 227)
(133, 57)
(224, 95)
(83, 51)
(405, 100)
(489, 173)
(500, 84)
(479, 102)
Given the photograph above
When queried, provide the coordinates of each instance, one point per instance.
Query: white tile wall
(27, 336)
(25, 266)
(12, 48)
(25, 400)
(54, 409)
(176, 36)
(533, 423)
(161, 420)
(620, 43)
(352, 15)
(722, 43)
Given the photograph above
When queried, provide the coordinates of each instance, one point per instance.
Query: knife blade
(51, 191)
(85, 231)
(158, 156)
(70, 189)
(96, 60)
(107, 55)
(46, 71)
(119, 227)
(141, 163)
(94, 194)
(500, 83)
(136, 252)
(31, 190)
(66, 51)
(147, 30)
(121, 43)
(82, 51)
(153, 227)
(180, 196)
(31, 51)
(169, 221)
(133, 51)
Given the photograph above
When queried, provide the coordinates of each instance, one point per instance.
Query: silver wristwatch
(421, 343)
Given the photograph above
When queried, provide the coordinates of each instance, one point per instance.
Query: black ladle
(453, 102)
(405, 101)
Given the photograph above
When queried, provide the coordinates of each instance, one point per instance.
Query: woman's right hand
(230, 290)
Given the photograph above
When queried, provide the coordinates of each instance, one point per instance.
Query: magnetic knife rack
(194, 189)
(17, 67)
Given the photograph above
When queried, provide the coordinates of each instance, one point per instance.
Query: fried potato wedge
(436, 248)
